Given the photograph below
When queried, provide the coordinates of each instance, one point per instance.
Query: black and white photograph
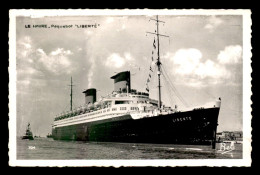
(130, 88)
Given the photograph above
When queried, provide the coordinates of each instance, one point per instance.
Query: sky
(202, 57)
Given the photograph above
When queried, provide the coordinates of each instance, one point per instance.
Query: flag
(150, 75)
(147, 89)
(151, 69)
(154, 44)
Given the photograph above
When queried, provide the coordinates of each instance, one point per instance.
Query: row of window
(122, 108)
(135, 108)
(99, 112)
(89, 118)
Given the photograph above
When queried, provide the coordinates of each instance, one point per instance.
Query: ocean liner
(126, 115)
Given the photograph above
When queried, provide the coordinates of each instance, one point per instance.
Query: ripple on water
(47, 149)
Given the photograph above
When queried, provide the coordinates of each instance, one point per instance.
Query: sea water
(49, 149)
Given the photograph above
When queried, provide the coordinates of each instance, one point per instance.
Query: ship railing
(78, 115)
(105, 109)
(198, 108)
(91, 117)
(154, 111)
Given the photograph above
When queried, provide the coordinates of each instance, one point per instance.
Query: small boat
(49, 136)
(28, 133)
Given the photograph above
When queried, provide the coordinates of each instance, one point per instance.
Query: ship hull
(196, 127)
(27, 138)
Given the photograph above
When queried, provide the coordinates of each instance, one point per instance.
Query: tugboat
(28, 133)
(49, 135)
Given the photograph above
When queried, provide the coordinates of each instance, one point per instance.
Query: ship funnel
(122, 82)
(218, 103)
(90, 96)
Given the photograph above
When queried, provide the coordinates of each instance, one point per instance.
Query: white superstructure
(137, 105)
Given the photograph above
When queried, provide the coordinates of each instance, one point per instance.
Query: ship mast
(158, 63)
(71, 94)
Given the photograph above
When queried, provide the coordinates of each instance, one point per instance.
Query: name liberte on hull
(127, 115)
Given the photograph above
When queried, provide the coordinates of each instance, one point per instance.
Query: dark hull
(192, 127)
(28, 137)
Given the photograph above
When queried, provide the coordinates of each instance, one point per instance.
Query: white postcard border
(245, 161)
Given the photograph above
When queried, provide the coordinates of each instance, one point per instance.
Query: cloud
(56, 62)
(61, 51)
(24, 48)
(213, 22)
(28, 85)
(115, 60)
(26, 60)
(33, 61)
(30, 82)
(128, 56)
(193, 70)
(230, 55)
(187, 60)
(28, 71)
(211, 69)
